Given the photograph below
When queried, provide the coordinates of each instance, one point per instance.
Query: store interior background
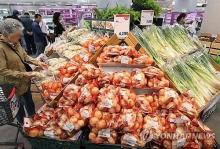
(206, 10)
(75, 10)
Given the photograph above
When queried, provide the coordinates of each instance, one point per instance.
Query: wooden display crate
(206, 43)
(112, 41)
(205, 35)
(215, 45)
(214, 52)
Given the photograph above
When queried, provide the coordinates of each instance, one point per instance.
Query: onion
(77, 115)
(162, 92)
(167, 144)
(73, 119)
(81, 123)
(34, 132)
(94, 130)
(92, 136)
(71, 111)
(117, 108)
(95, 91)
(98, 114)
(101, 124)
(58, 131)
(111, 140)
(99, 140)
(93, 121)
(112, 110)
(41, 133)
(63, 117)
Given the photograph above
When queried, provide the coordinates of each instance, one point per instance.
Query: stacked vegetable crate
(137, 37)
(205, 39)
(215, 46)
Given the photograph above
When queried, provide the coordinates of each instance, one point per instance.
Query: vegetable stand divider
(211, 104)
(47, 143)
(89, 145)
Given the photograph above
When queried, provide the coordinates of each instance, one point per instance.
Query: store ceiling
(43, 1)
(99, 3)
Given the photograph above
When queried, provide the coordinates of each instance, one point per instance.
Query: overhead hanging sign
(121, 25)
(147, 17)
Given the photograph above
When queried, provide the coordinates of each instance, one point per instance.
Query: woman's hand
(29, 74)
(34, 74)
(42, 65)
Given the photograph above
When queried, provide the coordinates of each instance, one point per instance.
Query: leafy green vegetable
(87, 24)
(150, 4)
(217, 60)
(110, 12)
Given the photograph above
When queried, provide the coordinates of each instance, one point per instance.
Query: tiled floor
(7, 133)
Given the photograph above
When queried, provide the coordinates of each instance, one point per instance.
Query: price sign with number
(147, 17)
(121, 25)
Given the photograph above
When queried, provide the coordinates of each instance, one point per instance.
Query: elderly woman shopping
(14, 68)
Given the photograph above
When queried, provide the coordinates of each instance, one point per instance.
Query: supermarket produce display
(103, 91)
(184, 61)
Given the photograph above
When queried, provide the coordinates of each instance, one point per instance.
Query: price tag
(49, 133)
(138, 77)
(130, 119)
(121, 25)
(131, 140)
(84, 113)
(147, 17)
(171, 94)
(181, 142)
(107, 103)
(91, 48)
(187, 106)
(105, 133)
(27, 122)
(125, 59)
(154, 124)
(68, 126)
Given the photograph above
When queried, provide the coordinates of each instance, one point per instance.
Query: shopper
(39, 36)
(15, 15)
(28, 34)
(44, 29)
(181, 19)
(14, 68)
(58, 28)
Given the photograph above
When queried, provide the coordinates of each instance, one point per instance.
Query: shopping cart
(8, 109)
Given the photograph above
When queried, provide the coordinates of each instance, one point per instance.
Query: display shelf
(206, 111)
(92, 60)
(48, 143)
(89, 145)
